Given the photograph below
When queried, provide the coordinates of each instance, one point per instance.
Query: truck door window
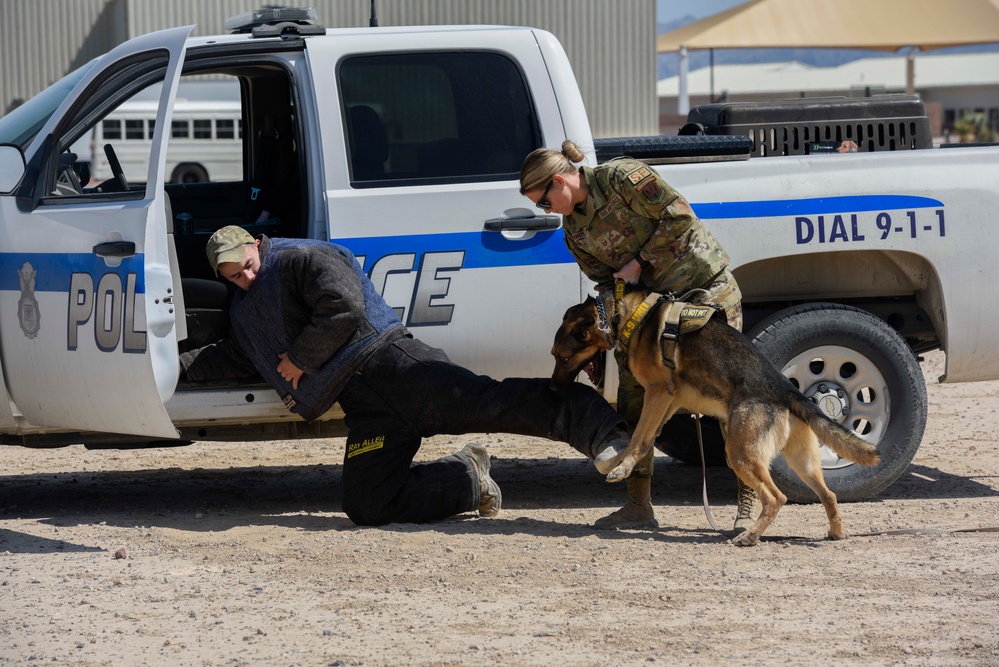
(70, 163)
(195, 153)
(416, 118)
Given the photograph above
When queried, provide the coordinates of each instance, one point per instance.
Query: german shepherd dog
(715, 371)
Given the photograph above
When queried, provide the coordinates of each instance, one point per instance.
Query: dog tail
(834, 435)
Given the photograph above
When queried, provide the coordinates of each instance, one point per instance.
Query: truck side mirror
(11, 168)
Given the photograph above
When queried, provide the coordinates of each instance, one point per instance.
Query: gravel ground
(239, 554)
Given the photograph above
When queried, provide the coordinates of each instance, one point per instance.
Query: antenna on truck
(373, 21)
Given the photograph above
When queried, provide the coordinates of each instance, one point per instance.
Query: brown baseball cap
(226, 245)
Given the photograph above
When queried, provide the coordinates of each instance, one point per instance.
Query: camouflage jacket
(631, 209)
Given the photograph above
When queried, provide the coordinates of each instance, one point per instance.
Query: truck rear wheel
(853, 359)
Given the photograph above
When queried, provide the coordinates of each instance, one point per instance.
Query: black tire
(825, 347)
(189, 172)
(679, 440)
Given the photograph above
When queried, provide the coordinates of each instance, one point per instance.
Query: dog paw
(619, 473)
(744, 539)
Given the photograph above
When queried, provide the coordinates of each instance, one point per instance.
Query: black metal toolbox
(790, 127)
(660, 149)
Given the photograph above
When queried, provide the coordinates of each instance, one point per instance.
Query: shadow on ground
(16, 542)
(219, 499)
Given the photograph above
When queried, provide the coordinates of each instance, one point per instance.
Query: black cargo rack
(672, 149)
(790, 127)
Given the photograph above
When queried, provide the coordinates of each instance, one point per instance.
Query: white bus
(205, 142)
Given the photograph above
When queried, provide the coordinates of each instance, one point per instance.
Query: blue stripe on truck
(53, 270)
(818, 206)
(482, 249)
(491, 250)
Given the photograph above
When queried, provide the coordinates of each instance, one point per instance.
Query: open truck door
(87, 299)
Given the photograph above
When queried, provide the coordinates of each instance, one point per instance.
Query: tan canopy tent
(882, 25)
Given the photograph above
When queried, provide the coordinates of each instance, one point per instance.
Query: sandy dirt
(238, 554)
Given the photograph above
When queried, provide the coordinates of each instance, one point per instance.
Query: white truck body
(869, 225)
(90, 324)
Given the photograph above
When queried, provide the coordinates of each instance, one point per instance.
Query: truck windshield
(23, 123)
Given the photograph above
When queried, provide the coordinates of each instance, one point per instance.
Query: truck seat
(368, 144)
(206, 302)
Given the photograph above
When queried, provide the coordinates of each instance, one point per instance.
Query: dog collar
(603, 326)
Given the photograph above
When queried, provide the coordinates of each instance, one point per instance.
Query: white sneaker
(490, 496)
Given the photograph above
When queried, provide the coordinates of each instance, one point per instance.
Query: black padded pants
(409, 390)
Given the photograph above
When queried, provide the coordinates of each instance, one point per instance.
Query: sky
(671, 10)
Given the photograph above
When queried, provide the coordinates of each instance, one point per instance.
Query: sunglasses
(543, 199)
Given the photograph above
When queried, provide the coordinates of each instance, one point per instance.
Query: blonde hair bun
(572, 151)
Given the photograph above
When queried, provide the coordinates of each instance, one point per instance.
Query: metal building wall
(611, 45)
(43, 40)
(210, 15)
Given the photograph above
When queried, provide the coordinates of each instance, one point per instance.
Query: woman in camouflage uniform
(621, 220)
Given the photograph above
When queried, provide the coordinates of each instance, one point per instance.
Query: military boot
(637, 512)
(744, 515)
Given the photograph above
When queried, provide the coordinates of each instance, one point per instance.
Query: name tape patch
(365, 446)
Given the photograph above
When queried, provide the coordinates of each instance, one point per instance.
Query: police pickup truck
(404, 144)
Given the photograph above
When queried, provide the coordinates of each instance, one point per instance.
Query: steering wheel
(116, 170)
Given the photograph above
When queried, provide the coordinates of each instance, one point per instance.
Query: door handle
(537, 223)
(115, 249)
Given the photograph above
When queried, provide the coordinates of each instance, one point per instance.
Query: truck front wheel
(853, 361)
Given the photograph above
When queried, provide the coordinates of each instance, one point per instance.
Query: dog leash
(729, 534)
(928, 531)
(704, 484)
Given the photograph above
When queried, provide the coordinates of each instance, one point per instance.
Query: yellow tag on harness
(632, 323)
(636, 318)
(693, 318)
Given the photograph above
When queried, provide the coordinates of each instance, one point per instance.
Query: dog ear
(572, 312)
(583, 326)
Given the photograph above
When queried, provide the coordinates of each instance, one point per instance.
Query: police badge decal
(27, 306)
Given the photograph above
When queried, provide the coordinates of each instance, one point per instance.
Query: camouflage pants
(722, 292)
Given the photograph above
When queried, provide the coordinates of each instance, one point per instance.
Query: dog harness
(680, 318)
(675, 318)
